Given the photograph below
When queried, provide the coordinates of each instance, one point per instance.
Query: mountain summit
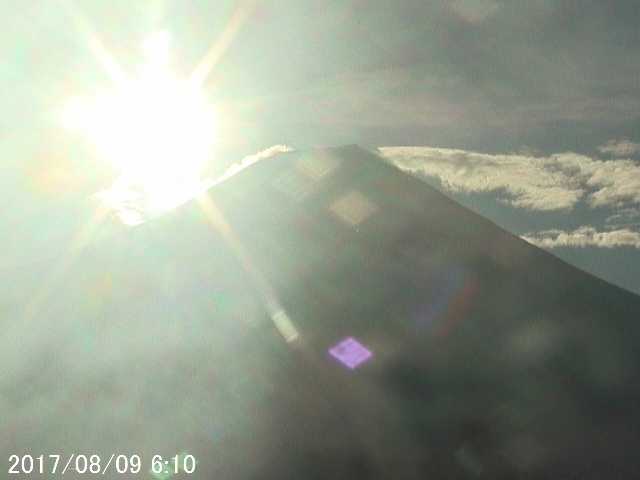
(321, 314)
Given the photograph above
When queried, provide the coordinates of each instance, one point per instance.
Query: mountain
(320, 314)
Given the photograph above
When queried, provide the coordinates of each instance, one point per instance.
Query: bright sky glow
(159, 129)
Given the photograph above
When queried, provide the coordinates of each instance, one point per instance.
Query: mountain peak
(327, 313)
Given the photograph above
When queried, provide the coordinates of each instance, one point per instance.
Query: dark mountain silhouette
(321, 315)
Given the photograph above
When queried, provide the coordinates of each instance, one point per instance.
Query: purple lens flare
(350, 352)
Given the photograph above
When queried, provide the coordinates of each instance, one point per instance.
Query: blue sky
(526, 111)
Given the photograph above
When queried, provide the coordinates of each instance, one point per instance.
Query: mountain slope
(208, 330)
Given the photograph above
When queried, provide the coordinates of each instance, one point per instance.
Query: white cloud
(532, 183)
(133, 207)
(126, 205)
(557, 182)
(620, 148)
(617, 182)
(251, 159)
(584, 237)
(625, 217)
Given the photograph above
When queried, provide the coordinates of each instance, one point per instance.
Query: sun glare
(157, 128)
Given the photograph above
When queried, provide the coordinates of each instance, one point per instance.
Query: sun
(158, 129)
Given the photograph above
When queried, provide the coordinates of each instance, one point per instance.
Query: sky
(526, 111)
